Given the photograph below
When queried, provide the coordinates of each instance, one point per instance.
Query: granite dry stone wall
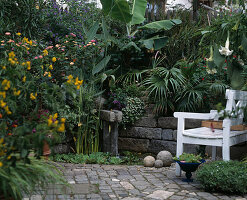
(153, 135)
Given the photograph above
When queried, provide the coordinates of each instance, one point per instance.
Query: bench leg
(214, 153)
(226, 152)
(180, 149)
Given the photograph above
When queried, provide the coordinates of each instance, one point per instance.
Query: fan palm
(163, 84)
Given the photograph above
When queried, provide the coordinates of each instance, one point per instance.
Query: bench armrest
(190, 115)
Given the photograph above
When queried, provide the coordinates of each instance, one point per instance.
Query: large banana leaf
(163, 24)
(101, 65)
(92, 32)
(155, 42)
(219, 60)
(117, 9)
(106, 34)
(129, 45)
(244, 43)
(237, 79)
(138, 11)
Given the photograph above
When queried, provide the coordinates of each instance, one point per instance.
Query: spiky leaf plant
(24, 178)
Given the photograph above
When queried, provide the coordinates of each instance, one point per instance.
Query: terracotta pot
(46, 149)
(3, 198)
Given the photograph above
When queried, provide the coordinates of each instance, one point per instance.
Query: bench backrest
(236, 101)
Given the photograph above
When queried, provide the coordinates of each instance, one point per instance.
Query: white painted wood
(205, 141)
(189, 115)
(180, 145)
(236, 100)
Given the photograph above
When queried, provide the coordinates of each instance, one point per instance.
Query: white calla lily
(225, 50)
(211, 58)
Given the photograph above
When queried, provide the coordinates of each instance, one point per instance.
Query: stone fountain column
(110, 120)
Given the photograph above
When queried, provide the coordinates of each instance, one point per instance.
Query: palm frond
(132, 76)
(218, 87)
(162, 84)
(190, 100)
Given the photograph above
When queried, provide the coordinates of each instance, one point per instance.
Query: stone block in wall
(167, 122)
(171, 123)
(167, 134)
(131, 144)
(142, 132)
(146, 122)
(175, 135)
(123, 132)
(159, 145)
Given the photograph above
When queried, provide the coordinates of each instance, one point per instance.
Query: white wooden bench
(236, 100)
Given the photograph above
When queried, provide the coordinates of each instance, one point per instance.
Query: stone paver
(108, 182)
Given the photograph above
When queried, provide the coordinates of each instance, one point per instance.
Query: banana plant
(120, 10)
(134, 15)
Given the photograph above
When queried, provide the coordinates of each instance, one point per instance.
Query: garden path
(127, 183)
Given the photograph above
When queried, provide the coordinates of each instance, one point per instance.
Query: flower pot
(46, 149)
(2, 197)
(188, 168)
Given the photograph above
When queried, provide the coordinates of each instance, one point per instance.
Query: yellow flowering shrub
(40, 91)
(30, 91)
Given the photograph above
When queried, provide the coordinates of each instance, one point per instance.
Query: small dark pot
(188, 168)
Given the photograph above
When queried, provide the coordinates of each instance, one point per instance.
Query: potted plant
(189, 163)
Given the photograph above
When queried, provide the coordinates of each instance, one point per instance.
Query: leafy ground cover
(129, 158)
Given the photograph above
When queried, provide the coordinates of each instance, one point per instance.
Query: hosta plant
(188, 158)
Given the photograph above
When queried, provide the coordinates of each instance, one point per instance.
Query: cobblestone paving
(127, 183)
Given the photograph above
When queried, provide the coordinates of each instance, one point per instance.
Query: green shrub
(134, 90)
(229, 177)
(133, 111)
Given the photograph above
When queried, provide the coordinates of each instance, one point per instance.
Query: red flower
(202, 79)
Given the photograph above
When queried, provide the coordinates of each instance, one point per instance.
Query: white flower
(210, 59)
(211, 71)
(225, 50)
(241, 62)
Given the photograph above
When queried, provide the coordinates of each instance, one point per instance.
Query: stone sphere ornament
(149, 161)
(166, 158)
(158, 164)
